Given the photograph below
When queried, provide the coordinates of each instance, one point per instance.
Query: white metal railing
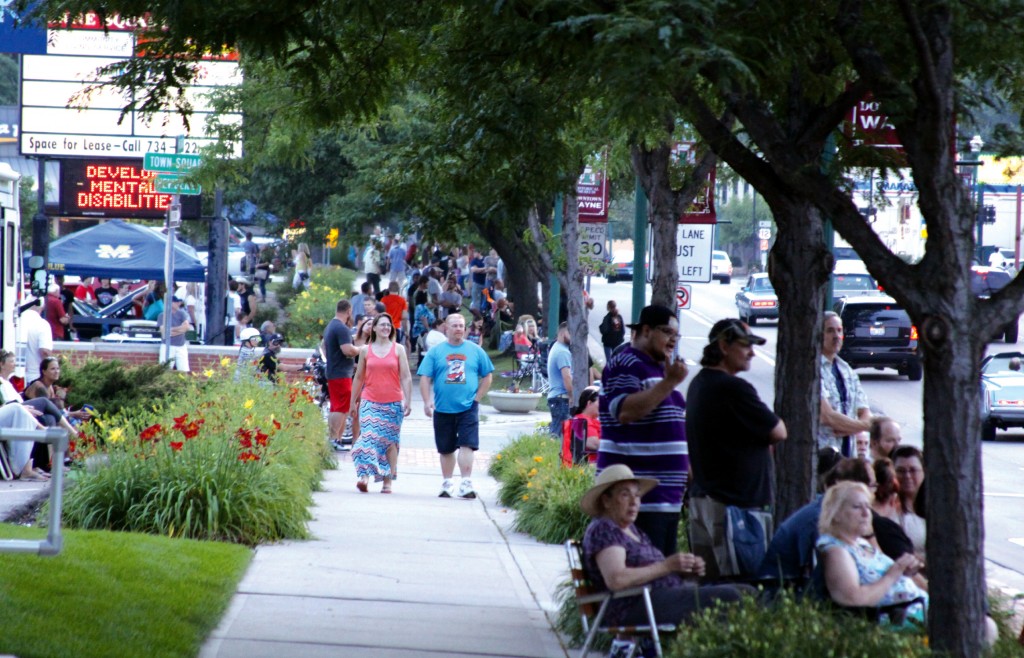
(50, 546)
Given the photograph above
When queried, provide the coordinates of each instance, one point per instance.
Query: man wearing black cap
(180, 326)
(731, 432)
(643, 420)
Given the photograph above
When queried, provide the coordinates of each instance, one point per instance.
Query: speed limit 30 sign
(682, 296)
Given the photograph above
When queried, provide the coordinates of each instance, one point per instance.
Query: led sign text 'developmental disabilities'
(112, 188)
(119, 187)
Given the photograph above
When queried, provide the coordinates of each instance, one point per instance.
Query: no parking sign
(682, 296)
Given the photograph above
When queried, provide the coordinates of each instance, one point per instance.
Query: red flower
(245, 441)
(248, 457)
(177, 445)
(261, 438)
(71, 446)
(277, 424)
(179, 422)
(191, 430)
(151, 432)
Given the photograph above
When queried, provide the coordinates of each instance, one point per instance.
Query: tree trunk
(652, 166)
(522, 266)
(572, 288)
(952, 461)
(667, 204)
(799, 266)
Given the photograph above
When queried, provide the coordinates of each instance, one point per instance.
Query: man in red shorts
(340, 354)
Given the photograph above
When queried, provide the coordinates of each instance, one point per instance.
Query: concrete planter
(514, 403)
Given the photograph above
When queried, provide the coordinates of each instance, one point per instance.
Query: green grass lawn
(115, 594)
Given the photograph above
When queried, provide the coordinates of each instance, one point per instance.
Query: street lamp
(975, 144)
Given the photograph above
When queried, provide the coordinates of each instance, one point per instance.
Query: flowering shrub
(310, 310)
(225, 460)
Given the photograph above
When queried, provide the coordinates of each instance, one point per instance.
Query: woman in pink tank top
(382, 387)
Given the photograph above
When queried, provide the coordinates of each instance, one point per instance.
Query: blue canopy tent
(119, 250)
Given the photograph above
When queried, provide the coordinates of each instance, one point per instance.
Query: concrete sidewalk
(406, 574)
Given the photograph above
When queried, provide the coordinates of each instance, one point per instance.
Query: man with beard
(643, 421)
(844, 406)
(560, 377)
(730, 432)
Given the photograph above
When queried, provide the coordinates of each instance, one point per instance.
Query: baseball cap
(176, 299)
(275, 338)
(654, 315)
(731, 330)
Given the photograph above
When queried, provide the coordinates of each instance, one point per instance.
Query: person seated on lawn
(856, 573)
(42, 408)
(19, 453)
(885, 506)
(46, 387)
(617, 555)
(476, 332)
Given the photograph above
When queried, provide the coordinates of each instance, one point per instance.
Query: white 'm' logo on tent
(122, 251)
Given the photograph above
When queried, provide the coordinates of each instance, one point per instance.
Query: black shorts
(454, 431)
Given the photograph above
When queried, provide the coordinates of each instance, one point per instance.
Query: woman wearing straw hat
(618, 555)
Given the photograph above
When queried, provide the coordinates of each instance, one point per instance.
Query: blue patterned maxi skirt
(379, 426)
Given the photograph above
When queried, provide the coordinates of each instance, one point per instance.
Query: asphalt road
(1003, 460)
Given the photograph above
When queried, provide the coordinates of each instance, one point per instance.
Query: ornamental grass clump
(550, 509)
(225, 461)
(544, 493)
(309, 311)
(787, 627)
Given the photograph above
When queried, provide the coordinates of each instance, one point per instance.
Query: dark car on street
(757, 300)
(985, 282)
(878, 334)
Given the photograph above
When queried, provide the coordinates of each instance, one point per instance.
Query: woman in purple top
(617, 555)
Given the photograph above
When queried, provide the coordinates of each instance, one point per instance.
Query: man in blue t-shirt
(560, 378)
(454, 376)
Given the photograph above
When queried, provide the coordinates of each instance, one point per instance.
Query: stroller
(317, 386)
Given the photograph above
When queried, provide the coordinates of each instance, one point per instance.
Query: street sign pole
(173, 218)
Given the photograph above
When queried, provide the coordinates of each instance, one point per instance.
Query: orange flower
(248, 456)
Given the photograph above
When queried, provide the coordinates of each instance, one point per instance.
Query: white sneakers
(465, 489)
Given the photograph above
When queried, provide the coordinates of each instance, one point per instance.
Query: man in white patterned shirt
(844, 406)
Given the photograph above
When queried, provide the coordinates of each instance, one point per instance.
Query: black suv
(985, 281)
(877, 333)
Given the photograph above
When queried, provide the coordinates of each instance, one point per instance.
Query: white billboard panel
(59, 118)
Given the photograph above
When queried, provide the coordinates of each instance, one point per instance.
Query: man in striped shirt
(643, 420)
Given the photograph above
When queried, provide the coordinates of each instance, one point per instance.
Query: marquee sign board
(102, 187)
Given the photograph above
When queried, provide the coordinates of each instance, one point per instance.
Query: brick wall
(200, 357)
